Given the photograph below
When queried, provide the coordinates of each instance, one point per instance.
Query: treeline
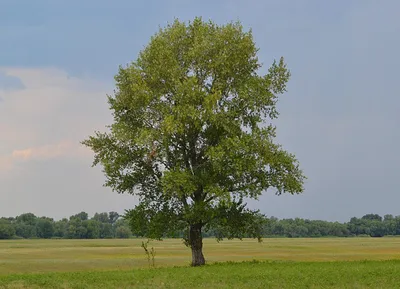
(112, 225)
(79, 226)
(369, 225)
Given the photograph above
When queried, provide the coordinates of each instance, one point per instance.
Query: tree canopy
(193, 136)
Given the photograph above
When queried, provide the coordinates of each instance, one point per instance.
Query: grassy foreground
(356, 274)
(286, 263)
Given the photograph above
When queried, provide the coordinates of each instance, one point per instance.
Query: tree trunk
(196, 244)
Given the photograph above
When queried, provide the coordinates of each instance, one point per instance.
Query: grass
(356, 274)
(286, 263)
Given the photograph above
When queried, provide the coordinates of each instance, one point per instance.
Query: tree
(377, 228)
(388, 218)
(61, 228)
(25, 231)
(113, 217)
(123, 232)
(106, 231)
(27, 219)
(7, 230)
(44, 228)
(193, 136)
(83, 216)
(372, 217)
(359, 226)
(101, 217)
(93, 229)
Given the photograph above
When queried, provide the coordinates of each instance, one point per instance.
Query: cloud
(62, 149)
(8, 82)
(48, 115)
(5, 163)
(43, 167)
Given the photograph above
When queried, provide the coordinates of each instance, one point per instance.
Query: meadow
(281, 263)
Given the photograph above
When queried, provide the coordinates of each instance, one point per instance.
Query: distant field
(65, 264)
(30, 256)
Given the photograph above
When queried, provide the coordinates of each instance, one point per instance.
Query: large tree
(193, 136)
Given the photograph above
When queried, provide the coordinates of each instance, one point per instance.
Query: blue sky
(339, 117)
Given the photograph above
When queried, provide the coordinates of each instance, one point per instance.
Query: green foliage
(27, 219)
(296, 228)
(78, 226)
(24, 230)
(192, 134)
(106, 231)
(235, 221)
(113, 217)
(102, 217)
(7, 230)
(44, 228)
(372, 217)
(82, 216)
(60, 228)
(123, 232)
(93, 229)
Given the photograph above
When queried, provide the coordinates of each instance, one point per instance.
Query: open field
(35, 256)
(109, 264)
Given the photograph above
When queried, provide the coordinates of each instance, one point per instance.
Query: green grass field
(285, 263)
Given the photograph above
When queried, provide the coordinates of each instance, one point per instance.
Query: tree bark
(196, 244)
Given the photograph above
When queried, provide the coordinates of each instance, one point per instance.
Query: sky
(339, 116)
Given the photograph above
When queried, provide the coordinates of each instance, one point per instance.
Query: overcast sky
(340, 116)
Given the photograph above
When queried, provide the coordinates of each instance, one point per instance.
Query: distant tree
(123, 232)
(82, 231)
(390, 224)
(360, 226)
(93, 229)
(44, 228)
(25, 231)
(396, 225)
(25, 225)
(377, 229)
(7, 230)
(106, 231)
(113, 217)
(372, 217)
(278, 229)
(83, 216)
(339, 230)
(27, 219)
(61, 228)
(101, 217)
(9, 220)
(388, 218)
(76, 228)
(193, 134)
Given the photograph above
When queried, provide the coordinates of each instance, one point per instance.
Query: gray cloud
(8, 82)
(43, 167)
